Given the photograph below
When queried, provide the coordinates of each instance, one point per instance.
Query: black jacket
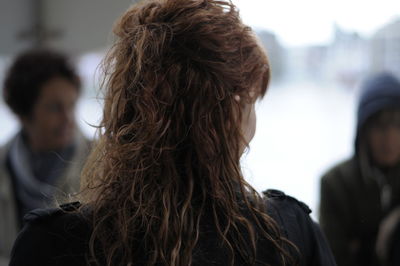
(56, 237)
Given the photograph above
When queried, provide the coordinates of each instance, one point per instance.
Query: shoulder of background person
(4, 150)
(3, 159)
(83, 148)
(56, 236)
(8, 224)
(6, 186)
(69, 182)
(84, 144)
(293, 217)
(387, 242)
(345, 172)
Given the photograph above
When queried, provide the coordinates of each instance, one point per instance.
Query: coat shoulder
(56, 236)
(63, 211)
(279, 197)
(345, 171)
(293, 218)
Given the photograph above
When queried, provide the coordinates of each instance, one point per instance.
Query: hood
(380, 92)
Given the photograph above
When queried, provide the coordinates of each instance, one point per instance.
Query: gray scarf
(36, 174)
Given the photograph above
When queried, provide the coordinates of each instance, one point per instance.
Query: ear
(252, 93)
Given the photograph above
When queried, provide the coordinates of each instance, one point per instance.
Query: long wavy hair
(170, 139)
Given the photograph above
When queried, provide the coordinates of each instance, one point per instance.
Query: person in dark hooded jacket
(357, 194)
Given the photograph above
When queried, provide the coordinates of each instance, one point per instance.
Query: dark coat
(351, 211)
(355, 194)
(388, 240)
(56, 237)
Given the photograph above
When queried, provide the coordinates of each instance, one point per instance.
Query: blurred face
(51, 124)
(384, 141)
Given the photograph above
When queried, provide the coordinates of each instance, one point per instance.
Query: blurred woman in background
(164, 184)
(44, 159)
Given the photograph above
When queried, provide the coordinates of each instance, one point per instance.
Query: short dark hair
(29, 72)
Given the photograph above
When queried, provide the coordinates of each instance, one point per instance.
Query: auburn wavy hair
(170, 139)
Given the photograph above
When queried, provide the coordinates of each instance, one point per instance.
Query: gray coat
(68, 183)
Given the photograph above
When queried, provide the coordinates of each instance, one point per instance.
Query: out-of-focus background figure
(357, 194)
(43, 160)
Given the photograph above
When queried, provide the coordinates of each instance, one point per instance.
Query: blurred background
(319, 50)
